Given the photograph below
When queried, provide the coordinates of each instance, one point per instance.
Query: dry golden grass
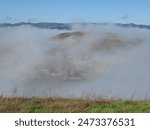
(71, 105)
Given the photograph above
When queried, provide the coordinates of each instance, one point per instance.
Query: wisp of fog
(87, 61)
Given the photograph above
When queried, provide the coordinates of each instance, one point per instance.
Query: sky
(70, 11)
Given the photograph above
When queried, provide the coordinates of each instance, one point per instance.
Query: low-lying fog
(91, 61)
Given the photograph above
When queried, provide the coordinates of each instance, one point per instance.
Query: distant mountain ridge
(68, 26)
(60, 26)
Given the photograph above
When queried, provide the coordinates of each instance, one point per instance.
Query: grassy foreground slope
(71, 105)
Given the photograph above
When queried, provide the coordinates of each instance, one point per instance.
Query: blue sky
(114, 11)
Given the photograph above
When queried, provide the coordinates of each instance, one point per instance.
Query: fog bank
(87, 61)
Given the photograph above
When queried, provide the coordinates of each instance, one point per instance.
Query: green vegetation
(71, 105)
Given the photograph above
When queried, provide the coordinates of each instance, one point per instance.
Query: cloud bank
(87, 61)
